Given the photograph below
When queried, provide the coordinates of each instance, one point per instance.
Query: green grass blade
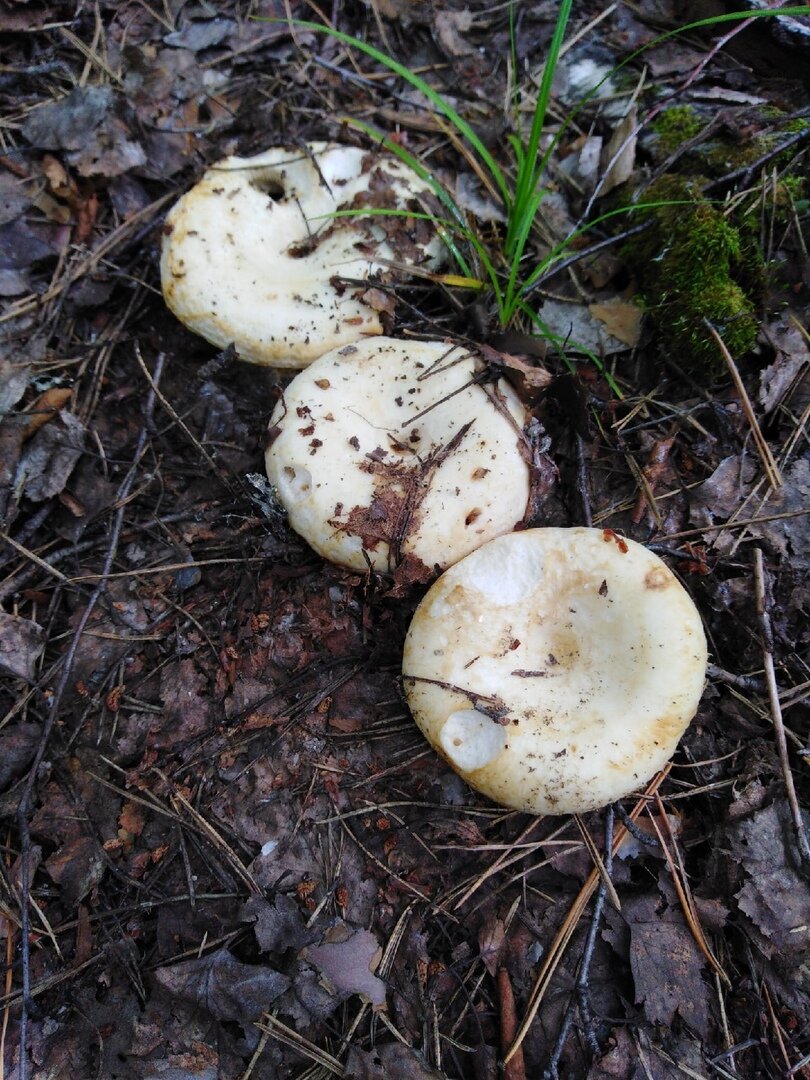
(436, 99)
(528, 175)
(458, 222)
(560, 342)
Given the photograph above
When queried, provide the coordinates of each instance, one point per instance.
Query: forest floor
(227, 851)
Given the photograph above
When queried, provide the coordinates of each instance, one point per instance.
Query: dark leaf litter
(242, 854)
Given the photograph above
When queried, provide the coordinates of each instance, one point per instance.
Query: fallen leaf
(68, 123)
(13, 384)
(579, 328)
(227, 988)
(449, 26)
(789, 536)
(200, 34)
(666, 963)
(622, 320)
(50, 457)
(721, 494)
(775, 897)
(393, 1061)
(17, 746)
(491, 943)
(349, 964)
(278, 925)
(77, 867)
(21, 645)
(619, 156)
(792, 359)
(13, 197)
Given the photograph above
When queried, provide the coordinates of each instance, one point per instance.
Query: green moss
(676, 126)
(694, 265)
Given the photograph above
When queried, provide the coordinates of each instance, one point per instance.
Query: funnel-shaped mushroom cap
(250, 252)
(556, 669)
(390, 449)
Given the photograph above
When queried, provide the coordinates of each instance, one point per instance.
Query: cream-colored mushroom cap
(556, 669)
(387, 449)
(250, 252)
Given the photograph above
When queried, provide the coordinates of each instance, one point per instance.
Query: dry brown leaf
(621, 319)
(619, 156)
(46, 407)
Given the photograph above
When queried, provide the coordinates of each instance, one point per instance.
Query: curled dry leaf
(50, 457)
(21, 645)
(227, 988)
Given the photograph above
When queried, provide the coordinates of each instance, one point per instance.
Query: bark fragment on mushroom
(556, 669)
(251, 254)
(391, 453)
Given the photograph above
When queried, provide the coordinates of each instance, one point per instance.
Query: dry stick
(108, 244)
(298, 1042)
(55, 703)
(768, 460)
(516, 1069)
(776, 708)
(10, 932)
(223, 478)
(566, 931)
(582, 996)
(678, 875)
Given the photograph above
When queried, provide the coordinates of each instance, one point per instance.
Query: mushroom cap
(248, 253)
(367, 481)
(555, 669)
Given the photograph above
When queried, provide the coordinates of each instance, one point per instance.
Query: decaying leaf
(77, 867)
(50, 457)
(450, 26)
(619, 156)
(21, 645)
(278, 925)
(18, 745)
(393, 1061)
(579, 327)
(775, 896)
(14, 380)
(622, 320)
(228, 989)
(347, 959)
(667, 966)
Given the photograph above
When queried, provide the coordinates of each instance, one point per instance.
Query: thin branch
(24, 806)
(776, 708)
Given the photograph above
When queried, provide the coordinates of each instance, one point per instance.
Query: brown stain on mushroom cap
(658, 578)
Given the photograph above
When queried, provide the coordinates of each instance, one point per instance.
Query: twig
(516, 1069)
(768, 460)
(291, 1038)
(566, 932)
(167, 405)
(581, 994)
(679, 880)
(776, 708)
(55, 704)
(582, 483)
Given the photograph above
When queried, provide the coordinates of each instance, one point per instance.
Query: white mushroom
(556, 669)
(389, 451)
(250, 253)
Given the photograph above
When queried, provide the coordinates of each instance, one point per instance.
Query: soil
(227, 851)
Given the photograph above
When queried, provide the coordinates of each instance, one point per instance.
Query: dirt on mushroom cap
(392, 450)
(582, 647)
(250, 254)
